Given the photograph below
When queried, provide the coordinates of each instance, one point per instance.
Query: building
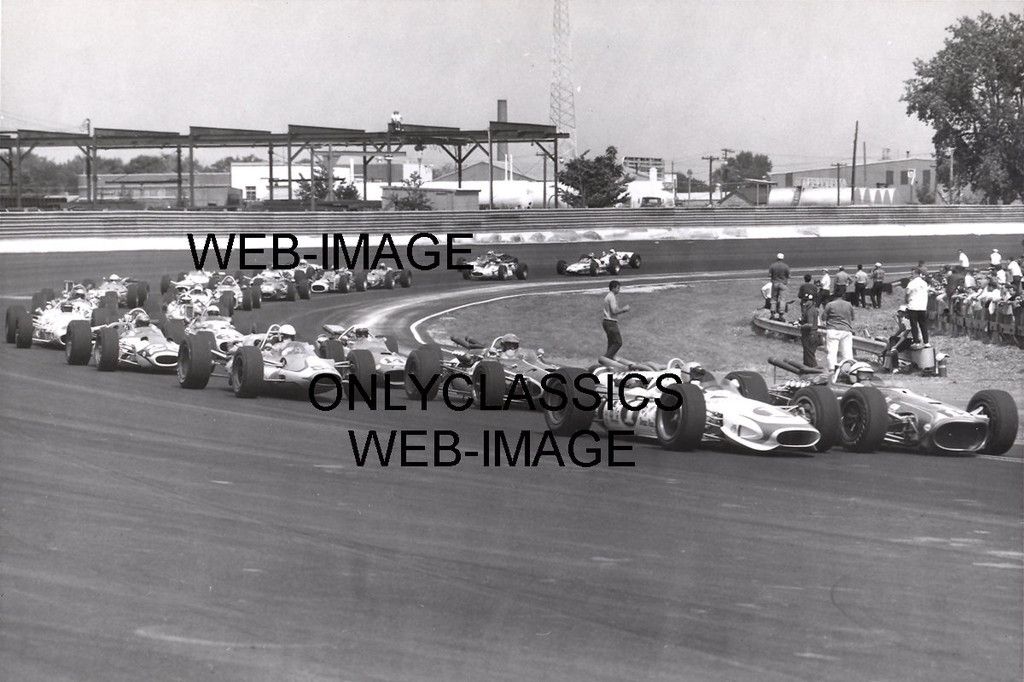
(252, 178)
(908, 177)
(160, 190)
(478, 172)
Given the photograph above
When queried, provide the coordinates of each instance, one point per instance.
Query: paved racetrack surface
(149, 532)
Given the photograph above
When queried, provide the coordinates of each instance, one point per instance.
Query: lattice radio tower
(563, 100)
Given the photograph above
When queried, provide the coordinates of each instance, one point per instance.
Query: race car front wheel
(864, 419)
(818, 405)
(682, 429)
(573, 415)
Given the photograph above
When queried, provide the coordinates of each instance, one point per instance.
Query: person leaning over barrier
(877, 285)
(778, 272)
(838, 331)
(612, 310)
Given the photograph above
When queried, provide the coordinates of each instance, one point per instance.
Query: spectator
(809, 338)
(970, 281)
(965, 262)
(842, 282)
(995, 258)
(807, 291)
(838, 331)
(778, 272)
(826, 287)
(923, 268)
(917, 308)
(612, 310)
(1000, 276)
(877, 285)
(1014, 271)
(899, 341)
(860, 287)
(766, 291)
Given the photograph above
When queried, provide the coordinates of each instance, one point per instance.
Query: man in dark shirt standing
(779, 274)
(809, 337)
(877, 285)
(842, 281)
(807, 288)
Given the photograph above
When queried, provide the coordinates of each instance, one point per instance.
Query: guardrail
(15, 225)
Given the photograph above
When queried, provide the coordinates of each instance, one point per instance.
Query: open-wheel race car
(340, 280)
(363, 352)
(280, 285)
(706, 411)
(875, 413)
(492, 265)
(489, 370)
(256, 363)
(382, 277)
(47, 323)
(130, 292)
(188, 279)
(231, 295)
(131, 341)
(610, 261)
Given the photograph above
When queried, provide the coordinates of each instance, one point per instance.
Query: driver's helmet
(78, 292)
(185, 298)
(213, 311)
(611, 252)
(362, 333)
(286, 332)
(591, 255)
(113, 278)
(142, 319)
(509, 343)
(856, 372)
(198, 291)
(696, 371)
(491, 254)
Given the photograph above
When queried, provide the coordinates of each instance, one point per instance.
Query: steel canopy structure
(458, 144)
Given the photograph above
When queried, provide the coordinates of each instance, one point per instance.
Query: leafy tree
(144, 163)
(691, 183)
(223, 165)
(598, 182)
(744, 166)
(413, 198)
(972, 94)
(320, 190)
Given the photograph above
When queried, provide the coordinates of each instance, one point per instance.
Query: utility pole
(838, 180)
(711, 188)
(675, 184)
(853, 170)
(725, 159)
(951, 151)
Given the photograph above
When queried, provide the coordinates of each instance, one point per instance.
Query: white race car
(341, 280)
(48, 325)
(189, 279)
(129, 292)
(132, 341)
(495, 266)
(364, 352)
(707, 412)
(382, 277)
(610, 261)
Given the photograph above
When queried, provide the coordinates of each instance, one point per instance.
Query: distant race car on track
(341, 280)
(382, 277)
(493, 265)
(610, 261)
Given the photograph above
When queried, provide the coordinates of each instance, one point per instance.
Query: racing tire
(405, 279)
(864, 419)
(247, 299)
(751, 385)
(488, 384)
(333, 350)
(360, 281)
(613, 266)
(165, 284)
(593, 268)
(522, 271)
(362, 367)
(389, 280)
(819, 406)
(467, 273)
(247, 372)
(153, 309)
(682, 429)
(37, 301)
(174, 330)
(1001, 410)
(134, 298)
(23, 330)
(424, 363)
(560, 267)
(110, 300)
(195, 360)
(107, 349)
(503, 272)
(302, 288)
(572, 418)
(48, 294)
(290, 292)
(391, 344)
(344, 286)
(227, 303)
(635, 261)
(257, 298)
(11, 321)
(78, 345)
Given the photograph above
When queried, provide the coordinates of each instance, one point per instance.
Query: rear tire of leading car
(613, 265)
(23, 329)
(11, 321)
(634, 261)
(405, 279)
(135, 296)
(1001, 410)
(750, 385)
(819, 406)
(424, 363)
(361, 370)
(522, 271)
(682, 429)
(227, 303)
(360, 281)
(107, 349)
(573, 417)
(247, 372)
(174, 330)
(165, 284)
(560, 267)
(302, 288)
(78, 345)
(864, 419)
(389, 280)
(195, 360)
(290, 292)
(489, 384)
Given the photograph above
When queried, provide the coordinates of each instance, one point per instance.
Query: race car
(231, 295)
(708, 411)
(260, 361)
(874, 413)
(279, 285)
(227, 331)
(490, 370)
(117, 291)
(341, 280)
(132, 341)
(189, 279)
(610, 261)
(366, 353)
(382, 277)
(48, 325)
(494, 266)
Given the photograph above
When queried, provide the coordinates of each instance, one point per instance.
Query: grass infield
(710, 323)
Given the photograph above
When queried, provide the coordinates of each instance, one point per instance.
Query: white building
(252, 178)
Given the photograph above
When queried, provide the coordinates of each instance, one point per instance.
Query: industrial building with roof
(908, 177)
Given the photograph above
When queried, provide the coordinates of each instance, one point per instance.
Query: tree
(744, 166)
(972, 94)
(319, 187)
(152, 164)
(223, 165)
(598, 182)
(412, 197)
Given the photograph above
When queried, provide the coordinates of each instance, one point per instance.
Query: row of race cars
(502, 266)
(813, 412)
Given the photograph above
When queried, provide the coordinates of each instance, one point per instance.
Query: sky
(675, 79)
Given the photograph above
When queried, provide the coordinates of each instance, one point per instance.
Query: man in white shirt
(965, 262)
(1015, 273)
(995, 258)
(826, 287)
(612, 311)
(917, 307)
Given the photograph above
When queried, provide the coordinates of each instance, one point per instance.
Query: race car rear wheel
(864, 419)
(227, 303)
(391, 343)
(389, 280)
(503, 272)
(818, 405)
(78, 345)
(405, 279)
(424, 363)
(751, 385)
(360, 281)
(560, 267)
(174, 330)
(1001, 410)
(613, 265)
(302, 288)
(488, 384)
(23, 329)
(165, 284)
(11, 321)
(110, 300)
(106, 349)
(247, 298)
(332, 350)
(522, 271)
(247, 372)
(134, 297)
(593, 268)
(100, 316)
(635, 261)
(573, 417)
(361, 370)
(682, 429)
(290, 292)
(195, 360)
(344, 286)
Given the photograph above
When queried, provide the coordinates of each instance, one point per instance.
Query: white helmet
(213, 311)
(508, 342)
(113, 278)
(858, 372)
(287, 332)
